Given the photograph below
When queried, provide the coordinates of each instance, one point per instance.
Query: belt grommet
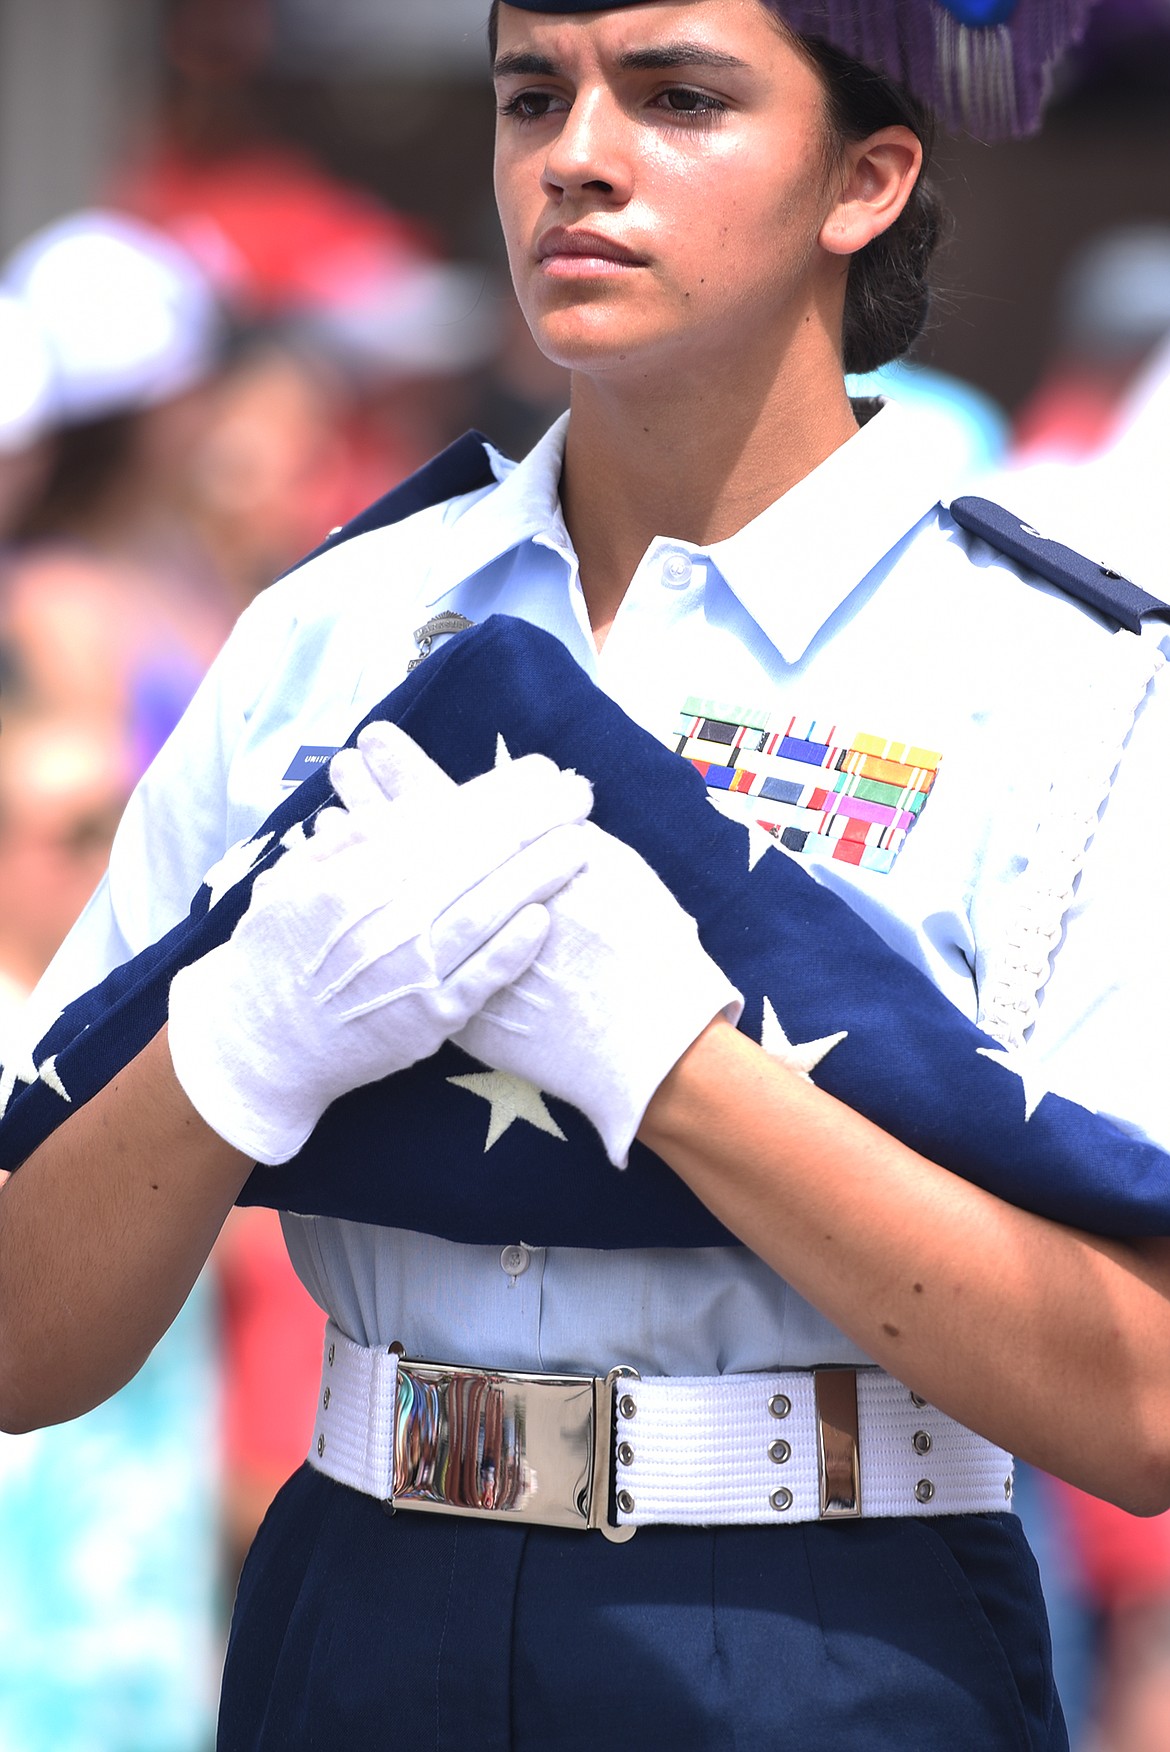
(332, 1348)
(779, 1405)
(924, 1490)
(625, 1502)
(922, 1442)
(320, 1446)
(327, 1398)
(625, 1454)
(627, 1406)
(1007, 1488)
(917, 1399)
(781, 1499)
(780, 1452)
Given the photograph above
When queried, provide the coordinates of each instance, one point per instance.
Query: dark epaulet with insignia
(1113, 596)
(463, 467)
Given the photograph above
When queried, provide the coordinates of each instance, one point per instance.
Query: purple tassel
(983, 66)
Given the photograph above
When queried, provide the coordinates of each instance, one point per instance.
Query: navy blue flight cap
(982, 66)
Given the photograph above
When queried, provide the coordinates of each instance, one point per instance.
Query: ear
(877, 177)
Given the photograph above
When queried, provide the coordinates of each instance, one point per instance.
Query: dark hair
(887, 298)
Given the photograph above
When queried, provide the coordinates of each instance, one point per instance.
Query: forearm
(1048, 1341)
(103, 1231)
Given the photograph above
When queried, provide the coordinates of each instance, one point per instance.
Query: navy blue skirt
(359, 1631)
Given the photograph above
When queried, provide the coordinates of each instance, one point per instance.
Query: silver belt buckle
(504, 1445)
(838, 1443)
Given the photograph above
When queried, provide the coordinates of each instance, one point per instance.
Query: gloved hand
(619, 990)
(368, 944)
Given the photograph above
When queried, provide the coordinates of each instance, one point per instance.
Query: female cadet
(692, 197)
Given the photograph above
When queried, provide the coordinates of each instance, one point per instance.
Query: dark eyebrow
(667, 55)
(662, 58)
(531, 66)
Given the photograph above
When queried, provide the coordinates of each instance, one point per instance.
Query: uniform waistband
(615, 1452)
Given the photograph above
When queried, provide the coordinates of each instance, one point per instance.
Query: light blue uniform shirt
(854, 600)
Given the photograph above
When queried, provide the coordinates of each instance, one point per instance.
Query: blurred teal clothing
(978, 425)
(109, 1621)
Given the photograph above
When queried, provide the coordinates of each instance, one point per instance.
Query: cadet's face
(661, 178)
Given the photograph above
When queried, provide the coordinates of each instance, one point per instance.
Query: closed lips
(584, 243)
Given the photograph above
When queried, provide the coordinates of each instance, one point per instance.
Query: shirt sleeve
(174, 826)
(1100, 1034)
(306, 658)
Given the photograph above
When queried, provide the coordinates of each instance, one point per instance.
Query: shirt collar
(791, 567)
(525, 506)
(795, 564)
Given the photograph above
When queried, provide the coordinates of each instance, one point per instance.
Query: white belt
(619, 1452)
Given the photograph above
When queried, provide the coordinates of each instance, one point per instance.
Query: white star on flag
(29, 1073)
(50, 1078)
(760, 840)
(1020, 1066)
(12, 1074)
(802, 1059)
(510, 1099)
(234, 865)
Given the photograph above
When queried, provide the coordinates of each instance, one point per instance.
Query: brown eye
(527, 106)
(685, 103)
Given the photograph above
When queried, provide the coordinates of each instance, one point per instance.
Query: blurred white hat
(416, 318)
(1115, 300)
(26, 376)
(128, 317)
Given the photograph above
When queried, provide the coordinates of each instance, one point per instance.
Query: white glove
(620, 989)
(365, 946)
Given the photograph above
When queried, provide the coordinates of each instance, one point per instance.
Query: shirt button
(515, 1259)
(676, 571)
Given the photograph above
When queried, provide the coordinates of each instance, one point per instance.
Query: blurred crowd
(198, 379)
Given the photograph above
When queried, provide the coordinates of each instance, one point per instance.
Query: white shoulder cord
(1020, 964)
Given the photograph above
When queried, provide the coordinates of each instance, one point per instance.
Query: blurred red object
(1070, 418)
(274, 230)
(272, 1334)
(1123, 1560)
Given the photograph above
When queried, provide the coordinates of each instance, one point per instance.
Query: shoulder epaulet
(462, 468)
(1099, 586)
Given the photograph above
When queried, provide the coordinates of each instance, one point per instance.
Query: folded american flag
(453, 1149)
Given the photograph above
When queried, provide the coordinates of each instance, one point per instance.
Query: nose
(589, 154)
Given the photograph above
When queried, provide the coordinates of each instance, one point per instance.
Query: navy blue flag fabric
(450, 1148)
